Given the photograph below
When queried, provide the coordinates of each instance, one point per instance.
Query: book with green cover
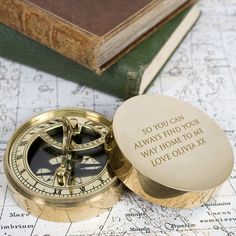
(128, 77)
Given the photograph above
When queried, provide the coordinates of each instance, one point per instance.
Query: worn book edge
(135, 44)
(162, 56)
(56, 33)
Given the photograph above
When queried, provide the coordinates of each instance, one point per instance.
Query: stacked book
(114, 46)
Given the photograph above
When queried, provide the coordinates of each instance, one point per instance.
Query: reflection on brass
(57, 167)
(157, 190)
(167, 151)
(151, 191)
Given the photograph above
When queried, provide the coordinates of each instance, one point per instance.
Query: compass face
(60, 155)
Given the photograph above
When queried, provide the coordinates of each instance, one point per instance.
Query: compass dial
(58, 158)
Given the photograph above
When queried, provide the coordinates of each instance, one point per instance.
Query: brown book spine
(48, 29)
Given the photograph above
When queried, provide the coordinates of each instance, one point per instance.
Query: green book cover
(122, 79)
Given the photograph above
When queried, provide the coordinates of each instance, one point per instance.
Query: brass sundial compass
(67, 164)
(57, 167)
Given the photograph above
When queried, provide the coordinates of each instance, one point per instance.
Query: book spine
(50, 31)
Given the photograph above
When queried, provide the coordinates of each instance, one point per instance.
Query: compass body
(57, 168)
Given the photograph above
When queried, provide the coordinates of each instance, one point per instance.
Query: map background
(201, 72)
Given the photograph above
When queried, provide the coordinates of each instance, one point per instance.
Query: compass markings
(23, 143)
(15, 165)
(17, 161)
(22, 171)
(57, 191)
(19, 157)
(82, 189)
(42, 126)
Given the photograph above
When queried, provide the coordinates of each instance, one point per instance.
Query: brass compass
(62, 164)
(57, 167)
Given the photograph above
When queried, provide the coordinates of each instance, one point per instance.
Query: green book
(130, 76)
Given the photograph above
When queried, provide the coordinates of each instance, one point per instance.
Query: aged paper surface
(201, 72)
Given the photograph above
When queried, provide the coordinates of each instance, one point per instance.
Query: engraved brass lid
(170, 144)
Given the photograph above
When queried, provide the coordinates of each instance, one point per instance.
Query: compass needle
(70, 128)
(62, 173)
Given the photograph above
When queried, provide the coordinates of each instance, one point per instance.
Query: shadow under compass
(44, 159)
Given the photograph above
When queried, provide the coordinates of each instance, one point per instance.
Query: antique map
(202, 72)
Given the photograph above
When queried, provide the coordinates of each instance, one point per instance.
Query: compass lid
(171, 143)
